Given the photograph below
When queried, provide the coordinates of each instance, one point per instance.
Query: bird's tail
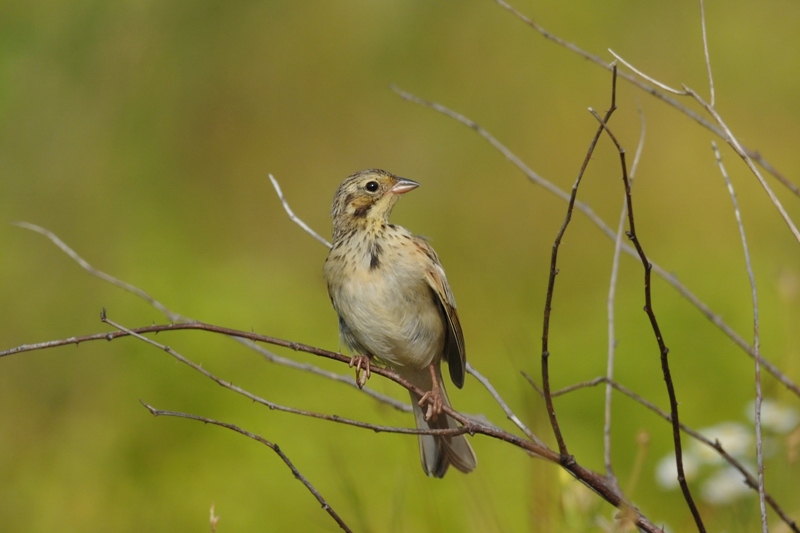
(439, 452)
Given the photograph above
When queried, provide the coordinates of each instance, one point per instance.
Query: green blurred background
(142, 133)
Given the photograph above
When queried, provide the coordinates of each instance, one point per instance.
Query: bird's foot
(361, 363)
(435, 402)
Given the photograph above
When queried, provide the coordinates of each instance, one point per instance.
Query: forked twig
(593, 480)
(333, 376)
(667, 276)
(503, 405)
(137, 333)
(756, 339)
(612, 291)
(645, 77)
(294, 218)
(179, 318)
(271, 445)
(725, 132)
(662, 347)
(633, 80)
(562, 446)
(750, 480)
(734, 143)
(173, 317)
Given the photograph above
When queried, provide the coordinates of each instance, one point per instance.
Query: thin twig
(562, 446)
(334, 376)
(503, 405)
(173, 317)
(725, 132)
(581, 385)
(731, 139)
(750, 480)
(662, 347)
(533, 384)
(271, 445)
(277, 407)
(294, 217)
(645, 76)
(178, 318)
(591, 479)
(612, 291)
(667, 276)
(705, 51)
(753, 154)
(756, 338)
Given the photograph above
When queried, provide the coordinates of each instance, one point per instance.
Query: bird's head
(366, 198)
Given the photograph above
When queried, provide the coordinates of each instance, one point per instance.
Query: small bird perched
(394, 303)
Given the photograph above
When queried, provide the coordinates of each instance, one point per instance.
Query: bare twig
(633, 80)
(667, 276)
(334, 376)
(750, 480)
(705, 51)
(271, 445)
(562, 446)
(503, 405)
(645, 76)
(533, 384)
(731, 139)
(591, 479)
(277, 407)
(756, 339)
(173, 317)
(294, 217)
(724, 131)
(579, 386)
(612, 291)
(662, 347)
(177, 318)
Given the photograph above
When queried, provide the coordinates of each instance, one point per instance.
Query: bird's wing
(454, 343)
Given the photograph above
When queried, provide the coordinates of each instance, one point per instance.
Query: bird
(394, 304)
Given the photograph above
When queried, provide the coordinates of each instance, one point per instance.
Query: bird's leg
(433, 397)
(361, 362)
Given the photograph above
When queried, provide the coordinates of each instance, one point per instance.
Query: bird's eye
(372, 186)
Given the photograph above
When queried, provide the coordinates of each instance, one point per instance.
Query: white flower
(774, 416)
(667, 470)
(735, 438)
(725, 486)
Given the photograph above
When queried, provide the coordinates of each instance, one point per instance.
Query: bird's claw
(361, 362)
(435, 403)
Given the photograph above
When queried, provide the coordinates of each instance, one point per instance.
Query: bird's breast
(379, 290)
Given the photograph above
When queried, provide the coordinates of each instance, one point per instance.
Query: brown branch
(274, 447)
(346, 379)
(662, 347)
(593, 480)
(277, 407)
(750, 480)
(178, 318)
(562, 446)
(667, 276)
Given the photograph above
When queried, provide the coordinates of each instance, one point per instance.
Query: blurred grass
(142, 134)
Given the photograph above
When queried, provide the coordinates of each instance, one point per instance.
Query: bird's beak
(403, 185)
